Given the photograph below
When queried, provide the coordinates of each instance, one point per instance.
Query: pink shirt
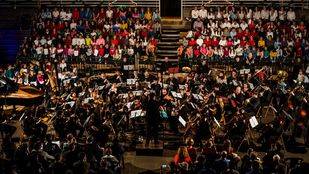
(100, 41)
(203, 50)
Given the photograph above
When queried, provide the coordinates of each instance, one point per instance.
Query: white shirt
(273, 15)
(203, 13)
(222, 42)
(63, 15)
(43, 41)
(290, 15)
(74, 41)
(194, 14)
(73, 25)
(249, 14)
(257, 15)
(282, 15)
(45, 51)
(80, 41)
(239, 51)
(235, 25)
(264, 14)
(236, 42)
(39, 50)
(68, 16)
(109, 13)
(199, 41)
(211, 15)
(95, 52)
(243, 25)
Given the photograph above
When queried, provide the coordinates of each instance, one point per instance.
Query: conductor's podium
(150, 150)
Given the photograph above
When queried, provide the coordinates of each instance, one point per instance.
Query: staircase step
(167, 51)
(168, 43)
(167, 47)
(170, 31)
(170, 39)
(170, 35)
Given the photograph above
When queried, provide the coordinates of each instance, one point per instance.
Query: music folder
(137, 113)
(131, 81)
(253, 122)
(182, 121)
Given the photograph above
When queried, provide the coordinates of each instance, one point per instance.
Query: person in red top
(101, 14)
(229, 42)
(251, 25)
(197, 52)
(153, 41)
(215, 42)
(192, 42)
(60, 26)
(182, 158)
(144, 33)
(251, 41)
(243, 42)
(101, 51)
(297, 43)
(75, 14)
(239, 34)
(208, 41)
(115, 41)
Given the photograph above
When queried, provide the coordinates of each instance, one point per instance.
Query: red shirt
(60, 27)
(112, 51)
(192, 42)
(208, 42)
(101, 51)
(177, 160)
(196, 52)
(75, 14)
(243, 43)
(154, 42)
(229, 43)
(115, 42)
(215, 43)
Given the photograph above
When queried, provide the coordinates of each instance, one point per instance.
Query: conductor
(152, 119)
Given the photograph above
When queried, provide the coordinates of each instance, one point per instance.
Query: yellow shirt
(273, 54)
(88, 41)
(124, 26)
(261, 43)
(148, 15)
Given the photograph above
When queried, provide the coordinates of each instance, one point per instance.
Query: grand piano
(12, 93)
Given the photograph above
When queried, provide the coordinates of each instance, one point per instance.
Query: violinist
(166, 103)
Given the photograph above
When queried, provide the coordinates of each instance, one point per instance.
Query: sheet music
(242, 71)
(86, 100)
(182, 121)
(100, 88)
(81, 94)
(182, 86)
(129, 104)
(136, 113)
(71, 103)
(253, 122)
(131, 81)
(137, 93)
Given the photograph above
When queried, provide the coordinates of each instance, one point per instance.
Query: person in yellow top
(88, 41)
(148, 14)
(124, 25)
(273, 55)
(261, 42)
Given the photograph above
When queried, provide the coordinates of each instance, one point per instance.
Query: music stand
(247, 137)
